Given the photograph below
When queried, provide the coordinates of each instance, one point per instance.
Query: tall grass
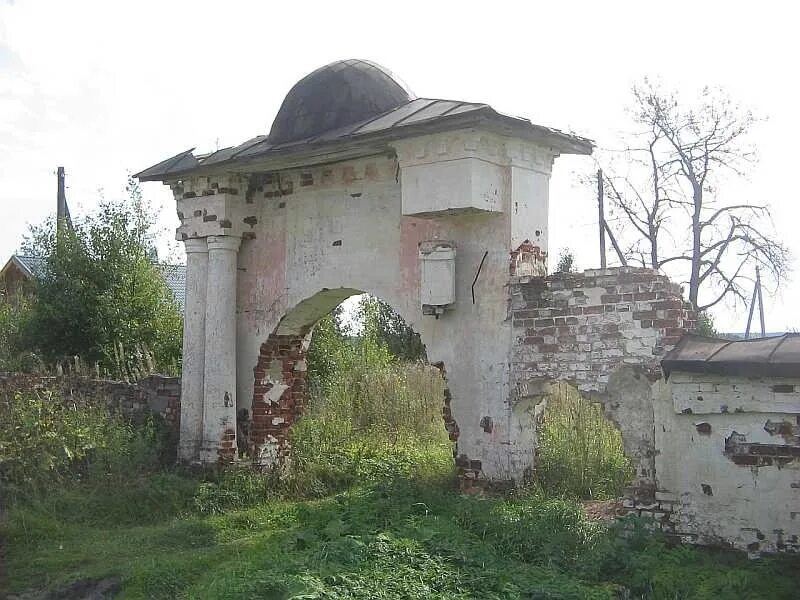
(396, 526)
(393, 399)
(580, 452)
(372, 422)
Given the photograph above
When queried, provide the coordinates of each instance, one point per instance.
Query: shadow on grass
(399, 538)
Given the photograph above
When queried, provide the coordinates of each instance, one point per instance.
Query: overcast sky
(104, 88)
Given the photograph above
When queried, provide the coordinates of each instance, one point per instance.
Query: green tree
(374, 338)
(705, 324)
(391, 329)
(566, 261)
(100, 296)
(13, 318)
(328, 343)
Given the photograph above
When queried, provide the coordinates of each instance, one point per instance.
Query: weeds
(392, 535)
(580, 452)
(367, 509)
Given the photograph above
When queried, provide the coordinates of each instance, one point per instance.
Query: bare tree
(668, 195)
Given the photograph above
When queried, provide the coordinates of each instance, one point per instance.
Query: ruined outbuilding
(440, 208)
(727, 427)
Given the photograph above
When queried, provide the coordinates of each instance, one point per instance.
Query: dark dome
(339, 94)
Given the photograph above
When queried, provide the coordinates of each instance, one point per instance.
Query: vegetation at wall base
(168, 534)
(580, 452)
(368, 508)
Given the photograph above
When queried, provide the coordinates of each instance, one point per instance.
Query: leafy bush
(14, 315)
(580, 452)
(99, 294)
(45, 437)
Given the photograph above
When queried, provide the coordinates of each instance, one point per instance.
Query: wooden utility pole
(604, 228)
(601, 218)
(61, 196)
(62, 210)
(757, 297)
(760, 302)
(614, 243)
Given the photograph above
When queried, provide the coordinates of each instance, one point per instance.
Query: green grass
(391, 537)
(369, 508)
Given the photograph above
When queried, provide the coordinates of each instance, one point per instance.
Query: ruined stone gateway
(439, 208)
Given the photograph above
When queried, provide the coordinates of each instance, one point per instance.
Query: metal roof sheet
(405, 120)
(777, 356)
(391, 118)
(438, 108)
(184, 161)
(175, 278)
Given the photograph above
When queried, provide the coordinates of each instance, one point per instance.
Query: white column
(219, 398)
(194, 347)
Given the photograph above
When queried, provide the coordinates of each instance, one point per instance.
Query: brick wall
(157, 394)
(581, 326)
(605, 331)
(278, 398)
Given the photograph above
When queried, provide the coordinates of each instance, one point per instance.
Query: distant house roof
(31, 266)
(174, 275)
(175, 278)
(777, 356)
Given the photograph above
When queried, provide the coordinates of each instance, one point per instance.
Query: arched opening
(287, 367)
(580, 451)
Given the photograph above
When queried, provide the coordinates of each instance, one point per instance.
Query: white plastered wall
(346, 230)
(755, 508)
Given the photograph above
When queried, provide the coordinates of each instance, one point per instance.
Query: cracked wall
(605, 331)
(729, 460)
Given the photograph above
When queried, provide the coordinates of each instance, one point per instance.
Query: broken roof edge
(777, 359)
(186, 163)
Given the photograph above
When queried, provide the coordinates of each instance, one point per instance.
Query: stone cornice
(474, 143)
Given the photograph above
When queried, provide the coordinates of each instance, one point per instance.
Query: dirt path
(602, 510)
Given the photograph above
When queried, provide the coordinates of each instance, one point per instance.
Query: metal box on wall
(437, 276)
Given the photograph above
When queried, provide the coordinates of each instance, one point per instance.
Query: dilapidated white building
(440, 208)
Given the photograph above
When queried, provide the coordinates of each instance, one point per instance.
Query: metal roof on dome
(317, 116)
(335, 96)
(777, 356)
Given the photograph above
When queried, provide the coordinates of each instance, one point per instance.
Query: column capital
(216, 213)
(193, 245)
(223, 242)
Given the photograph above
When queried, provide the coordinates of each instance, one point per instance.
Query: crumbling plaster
(272, 250)
(312, 236)
(750, 500)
